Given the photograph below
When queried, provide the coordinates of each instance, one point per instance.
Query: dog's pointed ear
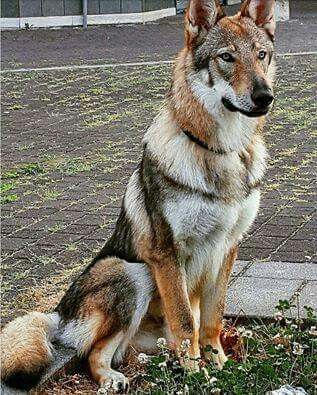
(262, 12)
(201, 16)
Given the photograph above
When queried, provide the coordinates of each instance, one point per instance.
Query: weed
(56, 228)
(50, 195)
(74, 166)
(26, 169)
(71, 247)
(9, 198)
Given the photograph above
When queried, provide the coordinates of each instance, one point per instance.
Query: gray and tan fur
(164, 271)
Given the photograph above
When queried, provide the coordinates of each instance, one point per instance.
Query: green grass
(6, 195)
(26, 169)
(266, 356)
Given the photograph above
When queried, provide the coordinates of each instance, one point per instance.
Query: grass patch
(6, 196)
(10, 198)
(264, 358)
(26, 169)
(74, 166)
(50, 195)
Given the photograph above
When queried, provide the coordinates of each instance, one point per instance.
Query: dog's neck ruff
(204, 145)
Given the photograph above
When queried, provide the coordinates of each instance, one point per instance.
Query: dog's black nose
(262, 97)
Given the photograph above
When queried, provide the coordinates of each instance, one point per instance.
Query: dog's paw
(216, 354)
(219, 359)
(113, 382)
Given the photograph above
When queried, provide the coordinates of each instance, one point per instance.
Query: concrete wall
(42, 8)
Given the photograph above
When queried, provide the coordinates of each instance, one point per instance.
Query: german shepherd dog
(165, 269)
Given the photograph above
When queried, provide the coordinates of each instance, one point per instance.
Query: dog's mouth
(257, 112)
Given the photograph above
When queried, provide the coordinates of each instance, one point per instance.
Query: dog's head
(233, 55)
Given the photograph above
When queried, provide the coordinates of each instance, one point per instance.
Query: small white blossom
(241, 329)
(212, 380)
(294, 326)
(143, 358)
(248, 334)
(279, 346)
(102, 391)
(298, 349)
(312, 331)
(185, 345)
(186, 389)
(162, 365)
(278, 316)
(161, 342)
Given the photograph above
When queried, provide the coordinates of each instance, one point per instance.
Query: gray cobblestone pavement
(71, 139)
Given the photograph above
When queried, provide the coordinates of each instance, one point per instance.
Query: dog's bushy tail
(26, 349)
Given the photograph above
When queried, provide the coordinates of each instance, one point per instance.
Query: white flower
(102, 391)
(294, 326)
(298, 349)
(143, 358)
(279, 316)
(162, 365)
(248, 334)
(279, 346)
(212, 380)
(161, 342)
(186, 389)
(185, 345)
(241, 329)
(313, 331)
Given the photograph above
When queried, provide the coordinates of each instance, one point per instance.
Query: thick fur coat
(164, 271)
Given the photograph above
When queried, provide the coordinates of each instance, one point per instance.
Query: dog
(165, 269)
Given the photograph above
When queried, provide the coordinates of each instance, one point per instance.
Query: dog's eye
(227, 57)
(262, 55)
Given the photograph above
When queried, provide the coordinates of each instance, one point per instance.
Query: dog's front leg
(212, 306)
(171, 283)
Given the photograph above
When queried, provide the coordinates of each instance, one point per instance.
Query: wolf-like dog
(165, 269)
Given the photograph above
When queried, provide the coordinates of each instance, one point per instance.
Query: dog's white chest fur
(205, 231)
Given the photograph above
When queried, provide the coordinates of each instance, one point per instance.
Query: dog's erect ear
(201, 16)
(262, 12)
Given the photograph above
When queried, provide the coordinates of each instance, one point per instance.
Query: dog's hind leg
(102, 311)
(100, 360)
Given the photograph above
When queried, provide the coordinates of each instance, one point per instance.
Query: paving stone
(238, 267)
(254, 296)
(308, 296)
(283, 270)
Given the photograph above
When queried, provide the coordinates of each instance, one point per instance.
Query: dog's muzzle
(256, 112)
